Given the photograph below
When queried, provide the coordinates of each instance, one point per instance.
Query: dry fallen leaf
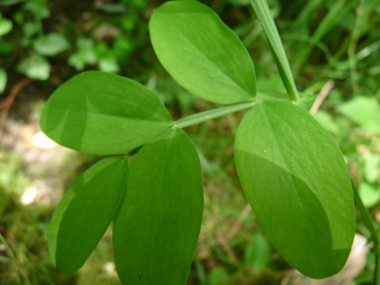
(34, 139)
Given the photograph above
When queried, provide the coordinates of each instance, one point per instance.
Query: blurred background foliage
(333, 49)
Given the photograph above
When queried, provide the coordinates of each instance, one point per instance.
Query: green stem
(371, 226)
(211, 114)
(267, 22)
(14, 259)
(377, 271)
(202, 117)
(366, 216)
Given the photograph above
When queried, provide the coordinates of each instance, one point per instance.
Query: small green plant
(44, 45)
(292, 171)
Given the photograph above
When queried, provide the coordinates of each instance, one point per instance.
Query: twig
(7, 102)
(224, 244)
(238, 223)
(322, 96)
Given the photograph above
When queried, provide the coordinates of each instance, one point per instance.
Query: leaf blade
(257, 252)
(298, 185)
(85, 212)
(5, 26)
(157, 226)
(213, 64)
(363, 111)
(36, 67)
(51, 44)
(102, 113)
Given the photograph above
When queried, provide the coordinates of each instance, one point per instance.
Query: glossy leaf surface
(202, 53)
(85, 212)
(298, 185)
(158, 224)
(102, 113)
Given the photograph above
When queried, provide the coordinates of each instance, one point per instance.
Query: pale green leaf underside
(102, 113)
(157, 227)
(263, 13)
(202, 53)
(85, 212)
(298, 185)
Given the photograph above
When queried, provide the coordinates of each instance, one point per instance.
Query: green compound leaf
(158, 224)
(202, 53)
(102, 113)
(85, 212)
(298, 185)
(263, 13)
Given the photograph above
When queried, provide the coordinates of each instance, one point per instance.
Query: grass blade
(329, 21)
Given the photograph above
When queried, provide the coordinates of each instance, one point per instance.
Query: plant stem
(366, 216)
(376, 280)
(14, 259)
(370, 224)
(263, 13)
(211, 114)
(202, 117)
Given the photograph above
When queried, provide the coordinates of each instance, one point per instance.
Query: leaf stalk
(371, 226)
(211, 114)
